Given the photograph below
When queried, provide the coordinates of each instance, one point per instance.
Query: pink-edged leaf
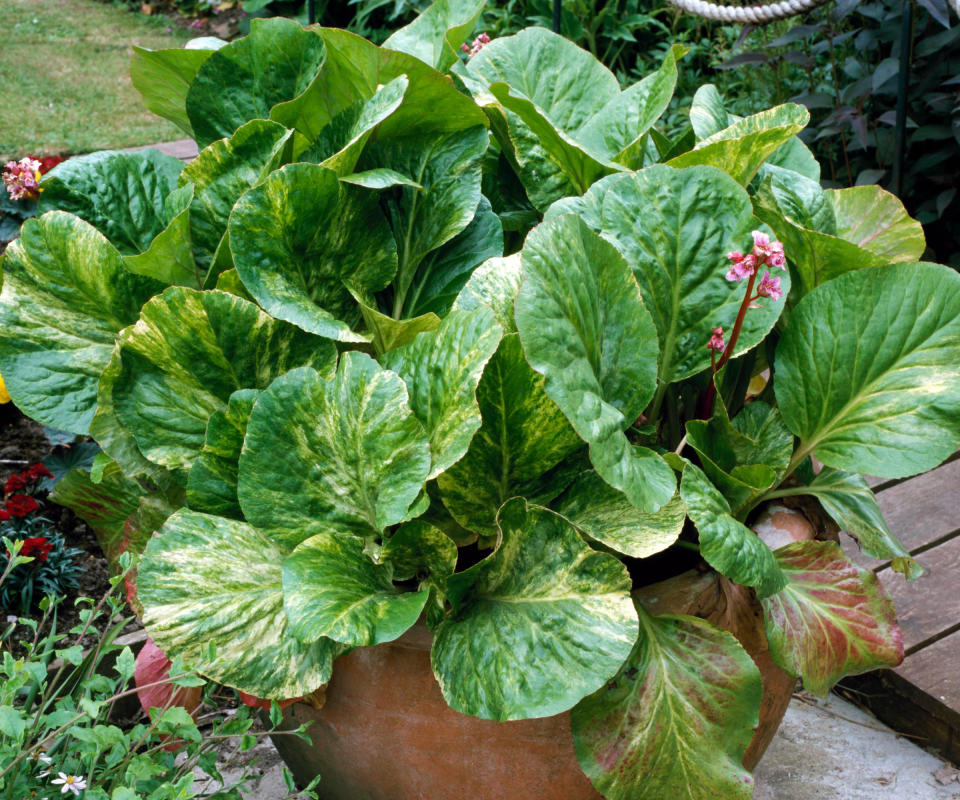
(832, 619)
(676, 720)
(152, 667)
(258, 702)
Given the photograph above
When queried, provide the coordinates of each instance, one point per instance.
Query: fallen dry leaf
(946, 775)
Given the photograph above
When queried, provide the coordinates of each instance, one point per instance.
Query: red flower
(20, 505)
(47, 163)
(36, 546)
(39, 471)
(15, 483)
(4, 515)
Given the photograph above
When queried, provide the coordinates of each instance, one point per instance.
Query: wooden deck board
(921, 697)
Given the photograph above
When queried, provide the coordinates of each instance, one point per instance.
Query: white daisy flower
(71, 783)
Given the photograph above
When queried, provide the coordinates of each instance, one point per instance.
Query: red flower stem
(706, 409)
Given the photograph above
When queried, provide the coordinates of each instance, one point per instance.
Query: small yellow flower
(4, 394)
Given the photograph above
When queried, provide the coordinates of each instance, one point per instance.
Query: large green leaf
(223, 171)
(741, 148)
(585, 328)
(447, 166)
(605, 515)
(728, 546)
(340, 142)
(188, 354)
(445, 271)
(356, 68)
(847, 498)
(676, 720)
(275, 64)
(832, 619)
(828, 233)
(163, 78)
(169, 258)
(442, 369)
(121, 194)
(331, 588)
(66, 295)
(894, 332)
(523, 437)
(674, 227)
(550, 89)
(616, 131)
(212, 484)
(208, 583)
(437, 33)
(302, 241)
(494, 284)
(387, 333)
(541, 622)
(418, 548)
(354, 457)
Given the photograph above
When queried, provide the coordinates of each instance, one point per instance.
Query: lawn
(65, 68)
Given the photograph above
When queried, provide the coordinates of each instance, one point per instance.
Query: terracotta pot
(384, 731)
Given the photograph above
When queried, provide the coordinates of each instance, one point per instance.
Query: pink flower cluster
(22, 178)
(476, 46)
(716, 341)
(765, 254)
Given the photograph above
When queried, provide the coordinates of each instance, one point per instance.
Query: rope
(742, 15)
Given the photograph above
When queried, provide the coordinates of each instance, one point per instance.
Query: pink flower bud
(22, 178)
(716, 341)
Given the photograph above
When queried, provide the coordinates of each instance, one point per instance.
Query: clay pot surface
(384, 731)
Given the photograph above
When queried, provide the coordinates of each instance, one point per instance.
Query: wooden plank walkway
(921, 697)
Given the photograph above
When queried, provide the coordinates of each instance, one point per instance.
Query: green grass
(64, 66)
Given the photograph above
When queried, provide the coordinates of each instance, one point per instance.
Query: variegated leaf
(188, 353)
(832, 618)
(345, 453)
(494, 284)
(331, 588)
(442, 369)
(676, 720)
(541, 622)
(212, 593)
(417, 548)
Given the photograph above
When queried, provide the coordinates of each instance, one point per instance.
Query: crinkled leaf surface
(894, 332)
(442, 369)
(607, 516)
(66, 295)
(223, 171)
(302, 240)
(331, 588)
(447, 166)
(121, 194)
(188, 353)
(674, 228)
(276, 63)
(832, 619)
(728, 546)
(169, 258)
(207, 581)
(676, 720)
(847, 498)
(437, 33)
(443, 273)
(163, 78)
(342, 139)
(741, 148)
(345, 453)
(494, 284)
(523, 436)
(542, 622)
(212, 484)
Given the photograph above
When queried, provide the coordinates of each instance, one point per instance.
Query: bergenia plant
(414, 338)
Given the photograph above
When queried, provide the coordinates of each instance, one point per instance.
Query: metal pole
(556, 15)
(311, 12)
(903, 79)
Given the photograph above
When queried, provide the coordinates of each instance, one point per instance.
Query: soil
(22, 443)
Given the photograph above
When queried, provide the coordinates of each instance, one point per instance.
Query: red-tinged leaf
(152, 667)
(676, 720)
(833, 618)
(258, 702)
